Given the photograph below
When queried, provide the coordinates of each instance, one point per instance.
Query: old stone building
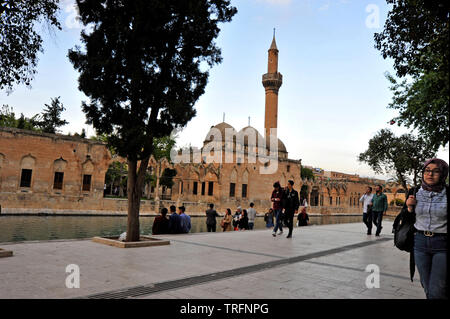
(39, 170)
(57, 172)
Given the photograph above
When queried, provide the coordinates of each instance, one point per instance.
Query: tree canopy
(144, 66)
(51, 116)
(415, 36)
(307, 173)
(19, 41)
(401, 156)
(8, 119)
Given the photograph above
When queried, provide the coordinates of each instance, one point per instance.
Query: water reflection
(20, 228)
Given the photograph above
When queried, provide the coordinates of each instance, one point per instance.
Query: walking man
(251, 213)
(366, 199)
(211, 215)
(276, 198)
(291, 202)
(379, 207)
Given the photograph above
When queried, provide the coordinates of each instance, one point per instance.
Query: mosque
(57, 172)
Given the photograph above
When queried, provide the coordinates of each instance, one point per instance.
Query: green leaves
(51, 116)
(19, 42)
(401, 156)
(141, 66)
(415, 36)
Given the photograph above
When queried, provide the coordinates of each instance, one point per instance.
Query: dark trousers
(367, 219)
(377, 218)
(211, 228)
(289, 221)
(278, 220)
(430, 255)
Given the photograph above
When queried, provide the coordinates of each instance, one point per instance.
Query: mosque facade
(57, 172)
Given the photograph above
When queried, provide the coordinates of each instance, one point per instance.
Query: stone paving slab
(37, 269)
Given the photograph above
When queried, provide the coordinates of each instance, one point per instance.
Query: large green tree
(416, 37)
(19, 41)
(399, 156)
(144, 66)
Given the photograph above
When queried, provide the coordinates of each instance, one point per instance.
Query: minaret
(272, 81)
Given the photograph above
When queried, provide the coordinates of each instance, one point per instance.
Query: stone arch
(27, 162)
(59, 165)
(87, 175)
(88, 166)
(245, 185)
(245, 176)
(233, 175)
(27, 165)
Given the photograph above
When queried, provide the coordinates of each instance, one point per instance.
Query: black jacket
(291, 201)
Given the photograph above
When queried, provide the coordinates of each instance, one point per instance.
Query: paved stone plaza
(327, 261)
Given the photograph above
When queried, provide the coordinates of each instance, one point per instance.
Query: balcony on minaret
(272, 81)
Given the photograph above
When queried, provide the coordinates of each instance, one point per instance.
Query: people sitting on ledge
(161, 223)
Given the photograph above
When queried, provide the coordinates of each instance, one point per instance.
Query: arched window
(233, 181)
(245, 184)
(59, 167)
(27, 166)
(88, 170)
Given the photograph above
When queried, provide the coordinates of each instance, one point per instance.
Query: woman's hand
(411, 203)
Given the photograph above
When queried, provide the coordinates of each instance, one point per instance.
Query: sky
(334, 95)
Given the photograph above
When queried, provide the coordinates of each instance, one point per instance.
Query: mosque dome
(281, 147)
(251, 131)
(221, 127)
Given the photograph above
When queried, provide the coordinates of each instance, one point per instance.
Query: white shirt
(366, 200)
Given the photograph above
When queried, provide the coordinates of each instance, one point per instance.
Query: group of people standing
(243, 219)
(176, 223)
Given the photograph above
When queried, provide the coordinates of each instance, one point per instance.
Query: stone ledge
(146, 241)
(5, 253)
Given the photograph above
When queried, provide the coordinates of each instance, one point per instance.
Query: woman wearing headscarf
(430, 208)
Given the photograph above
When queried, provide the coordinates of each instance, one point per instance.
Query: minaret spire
(272, 81)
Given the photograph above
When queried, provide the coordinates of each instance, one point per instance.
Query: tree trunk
(134, 190)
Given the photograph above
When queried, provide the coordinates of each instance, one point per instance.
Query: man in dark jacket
(291, 202)
(211, 215)
(174, 221)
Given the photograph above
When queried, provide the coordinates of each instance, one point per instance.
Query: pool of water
(21, 228)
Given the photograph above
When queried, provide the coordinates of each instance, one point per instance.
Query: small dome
(221, 127)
